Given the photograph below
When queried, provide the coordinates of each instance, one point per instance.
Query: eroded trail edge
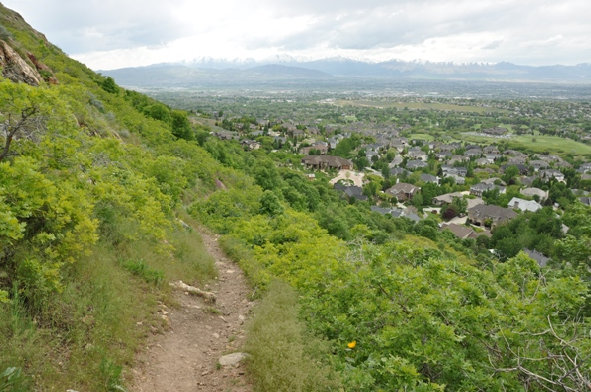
(186, 357)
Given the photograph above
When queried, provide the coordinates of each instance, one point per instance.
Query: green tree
(181, 127)
(108, 84)
(270, 204)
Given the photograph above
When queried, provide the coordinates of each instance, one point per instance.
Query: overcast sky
(107, 34)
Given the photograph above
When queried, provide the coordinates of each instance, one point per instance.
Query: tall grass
(283, 356)
(86, 336)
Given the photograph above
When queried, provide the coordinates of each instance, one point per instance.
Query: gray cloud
(526, 31)
(79, 26)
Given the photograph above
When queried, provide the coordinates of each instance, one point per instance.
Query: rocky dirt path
(186, 357)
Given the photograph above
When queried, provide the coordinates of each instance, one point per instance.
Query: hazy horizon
(114, 34)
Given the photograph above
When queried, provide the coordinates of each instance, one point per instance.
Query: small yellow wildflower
(352, 344)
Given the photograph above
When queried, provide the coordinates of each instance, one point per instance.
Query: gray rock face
(15, 68)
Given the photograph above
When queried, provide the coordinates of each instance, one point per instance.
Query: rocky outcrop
(15, 68)
(43, 69)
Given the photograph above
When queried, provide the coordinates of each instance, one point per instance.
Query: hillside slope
(92, 180)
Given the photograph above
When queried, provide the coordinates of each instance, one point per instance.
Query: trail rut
(185, 358)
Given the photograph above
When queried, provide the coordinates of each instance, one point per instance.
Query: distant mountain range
(210, 72)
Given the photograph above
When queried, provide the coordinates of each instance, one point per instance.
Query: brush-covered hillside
(92, 178)
(94, 183)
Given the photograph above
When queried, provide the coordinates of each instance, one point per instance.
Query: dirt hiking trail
(186, 357)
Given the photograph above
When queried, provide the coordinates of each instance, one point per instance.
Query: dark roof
(483, 211)
(537, 256)
(352, 191)
(495, 131)
(403, 187)
(396, 171)
(459, 231)
(381, 210)
(330, 160)
(482, 186)
(415, 164)
(428, 178)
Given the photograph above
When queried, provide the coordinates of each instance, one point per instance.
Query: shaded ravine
(185, 357)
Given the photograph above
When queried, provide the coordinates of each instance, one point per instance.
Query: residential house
(250, 144)
(484, 161)
(494, 180)
(481, 187)
(473, 202)
(351, 191)
(446, 198)
(521, 168)
(484, 171)
(399, 144)
(403, 191)
(457, 159)
(537, 256)
(562, 164)
(321, 147)
(550, 158)
(326, 162)
(585, 167)
(449, 148)
(516, 160)
(397, 213)
(417, 153)
(429, 178)
(447, 170)
(442, 155)
(492, 149)
(280, 140)
(370, 156)
(490, 215)
(474, 152)
(226, 135)
(334, 141)
(532, 192)
(416, 164)
(527, 181)
(460, 231)
(538, 164)
(524, 205)
(548, 174)
(495, 131)
(396, 161)
(399, 172)
(313, 130)
(494, 157)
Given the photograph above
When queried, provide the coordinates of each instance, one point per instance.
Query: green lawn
(418, 106)
(420, 136)
(535, 143)
(542, 143)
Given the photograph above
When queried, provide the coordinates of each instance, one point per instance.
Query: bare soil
(185, 357)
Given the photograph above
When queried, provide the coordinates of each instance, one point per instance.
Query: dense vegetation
(425, 314)
(91, 182)
(91, 190)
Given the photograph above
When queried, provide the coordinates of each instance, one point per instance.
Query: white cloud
(109, 34)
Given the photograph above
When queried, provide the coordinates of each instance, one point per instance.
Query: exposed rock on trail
(189, 356)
